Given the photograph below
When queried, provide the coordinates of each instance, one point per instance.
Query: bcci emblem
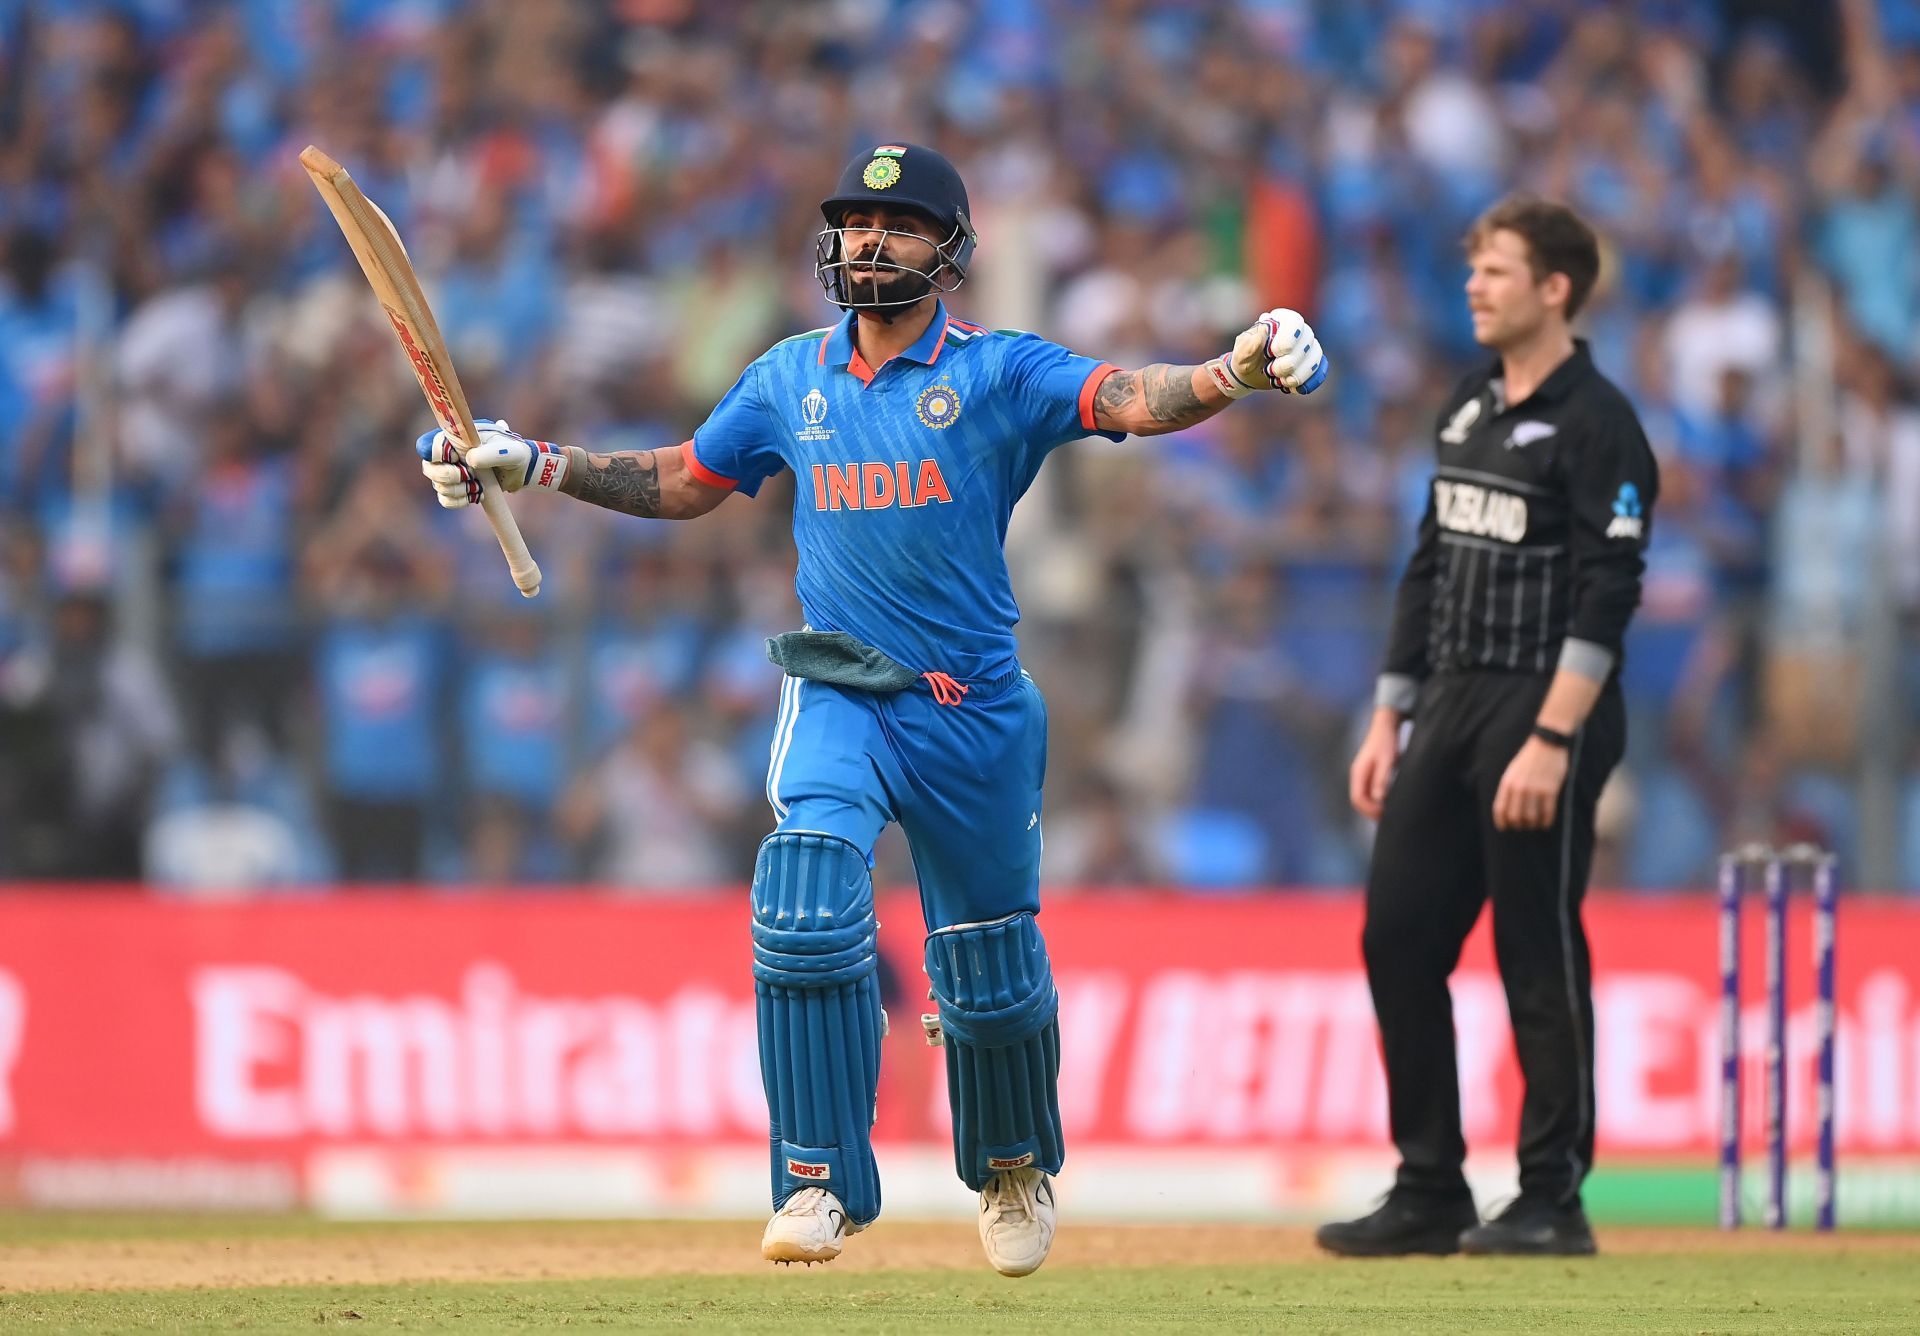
(881, 173)
(938, 406)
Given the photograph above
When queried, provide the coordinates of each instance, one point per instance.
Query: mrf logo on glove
(1279, 351)
(514, 461)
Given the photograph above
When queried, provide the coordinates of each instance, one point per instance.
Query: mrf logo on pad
(996, 1163)
(805, 1169)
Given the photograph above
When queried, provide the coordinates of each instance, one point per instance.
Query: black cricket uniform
(1529, 560)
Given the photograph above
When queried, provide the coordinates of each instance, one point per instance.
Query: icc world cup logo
(813, 408)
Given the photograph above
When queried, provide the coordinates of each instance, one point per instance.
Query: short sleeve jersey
(905, 477)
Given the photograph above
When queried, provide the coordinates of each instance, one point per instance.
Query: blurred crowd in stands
(240, 646)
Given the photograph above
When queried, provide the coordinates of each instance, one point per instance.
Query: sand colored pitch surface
(217, 1258)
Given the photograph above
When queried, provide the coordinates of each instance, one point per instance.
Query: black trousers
(375, 840)
(222, 690)
(1437, 858)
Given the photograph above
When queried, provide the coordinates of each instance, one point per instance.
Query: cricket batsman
(910, 433)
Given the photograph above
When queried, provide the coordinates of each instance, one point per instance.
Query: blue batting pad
(999, 1016)
(816, 976)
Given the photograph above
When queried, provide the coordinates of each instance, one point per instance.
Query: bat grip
(526, 571)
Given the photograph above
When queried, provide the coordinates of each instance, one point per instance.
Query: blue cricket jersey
(905, 476)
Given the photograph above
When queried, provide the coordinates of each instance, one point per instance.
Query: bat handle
(526, 571)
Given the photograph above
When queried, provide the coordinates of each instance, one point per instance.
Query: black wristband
(1553, 737)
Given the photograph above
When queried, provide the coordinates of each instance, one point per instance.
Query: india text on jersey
(875, 486)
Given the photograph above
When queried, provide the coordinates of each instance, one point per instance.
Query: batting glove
(1279, 351)
(512, 459)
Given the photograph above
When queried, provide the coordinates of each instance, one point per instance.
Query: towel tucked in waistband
(836, 657)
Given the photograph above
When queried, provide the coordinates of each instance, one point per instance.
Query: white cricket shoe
(811, 1227)
(1016, 1220)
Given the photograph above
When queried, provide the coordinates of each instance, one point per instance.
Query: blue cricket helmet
(898, 175)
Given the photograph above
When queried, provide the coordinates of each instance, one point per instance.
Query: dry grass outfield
(56, 1255)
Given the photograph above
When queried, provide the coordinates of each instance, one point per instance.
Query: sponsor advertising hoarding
(574, 1054)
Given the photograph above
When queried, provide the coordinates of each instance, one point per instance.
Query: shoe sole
(785, 1252)
(1559, 1248)
(1431, 1245)
(1016, 1274)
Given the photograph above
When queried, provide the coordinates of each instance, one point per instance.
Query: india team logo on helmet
(938, 406)
(884, 170)
(897, 178)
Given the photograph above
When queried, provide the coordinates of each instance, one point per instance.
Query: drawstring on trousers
(945, 689)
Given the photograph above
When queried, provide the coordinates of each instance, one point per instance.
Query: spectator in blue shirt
(237, 637)
(514, 725)
(380, 657)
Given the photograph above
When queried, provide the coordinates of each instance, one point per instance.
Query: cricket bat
(384, 260)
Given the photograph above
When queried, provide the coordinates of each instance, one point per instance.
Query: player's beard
(891, 294)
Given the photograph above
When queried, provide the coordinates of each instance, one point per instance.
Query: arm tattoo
(1165, 392)
(629, 483)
